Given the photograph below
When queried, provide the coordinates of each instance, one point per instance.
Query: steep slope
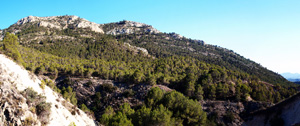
(164, 45)
(14, 110)
(49, 32)
(284, 113)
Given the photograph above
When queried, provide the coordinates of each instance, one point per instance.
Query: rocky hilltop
(24, 100)
(128, 27)
(61, 22)
(64, 22)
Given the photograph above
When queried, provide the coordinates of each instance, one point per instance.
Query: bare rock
(129, 27)
(61, 22)
(15, 107)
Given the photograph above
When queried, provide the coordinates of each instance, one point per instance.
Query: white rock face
(129, 27)
(117, 31)
(87, 24)
(145, 51)
(60, 115)
(61, 22)
(48, 24)
(27, 20)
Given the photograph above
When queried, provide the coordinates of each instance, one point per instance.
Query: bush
(84, 108)
(69, 94)
(38, 105)
(108, 88)
(129, 93)
(29, 121)
(52, 85)
(43, 108)
(89, 83)
(10, 44)
(72, 124)
(43, 112)
(31, 95)
(42, 85)
(40, 70)
(229, 116)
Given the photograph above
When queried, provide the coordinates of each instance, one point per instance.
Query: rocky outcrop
(176, 36)
(284, 113)
(15, 111)
(129, 27)
(136, 49)
(61, 22)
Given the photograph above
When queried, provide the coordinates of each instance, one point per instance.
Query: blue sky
(266, 31)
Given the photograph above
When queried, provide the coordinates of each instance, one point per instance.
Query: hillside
(34, 31)
(130, 73)
(25, 101)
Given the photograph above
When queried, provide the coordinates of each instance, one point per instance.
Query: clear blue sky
(266, 31)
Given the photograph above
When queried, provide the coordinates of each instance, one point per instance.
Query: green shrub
(43, 110)
(84, 108)
(72, 124)
(31, 95)
(42, 85)
(108, 88)
(129, 93)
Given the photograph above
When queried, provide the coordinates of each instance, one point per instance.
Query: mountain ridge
(136, 31)
(127, 75)
(63, 22)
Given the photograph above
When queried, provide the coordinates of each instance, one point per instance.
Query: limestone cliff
(21, 100)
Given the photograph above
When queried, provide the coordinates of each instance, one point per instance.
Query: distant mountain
(293, 77)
